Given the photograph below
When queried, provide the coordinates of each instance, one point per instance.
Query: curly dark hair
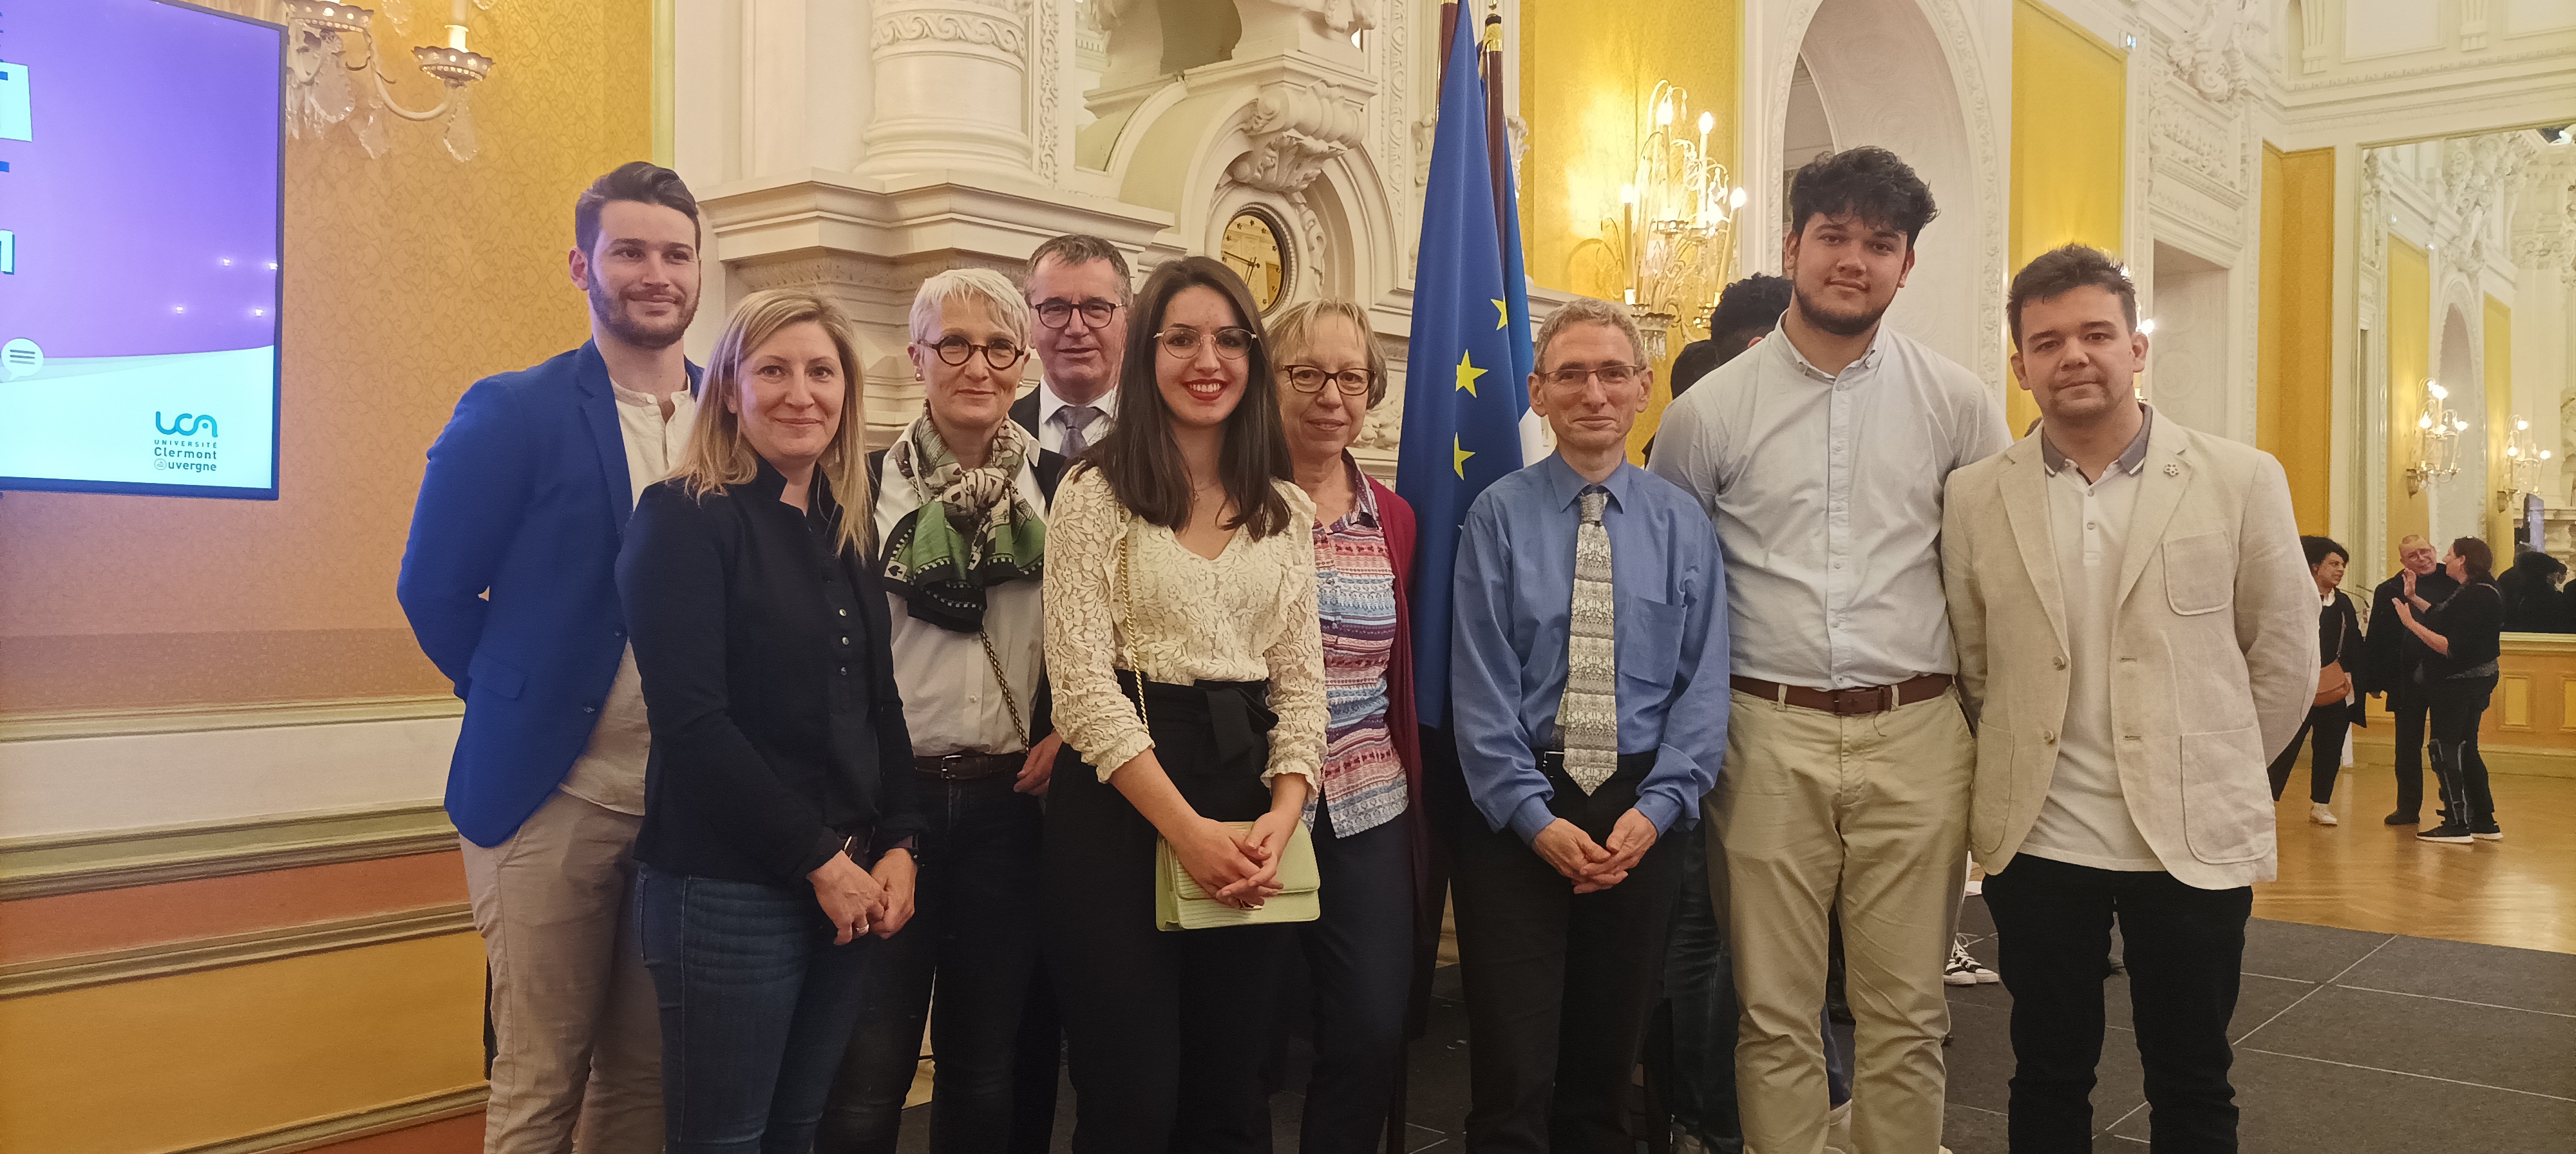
(1745, 311)
(2063, 270)
(1868, 182)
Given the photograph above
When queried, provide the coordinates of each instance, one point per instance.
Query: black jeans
(2409, 705)
(974, 935)
(1168, 1031)
(1360, 954)
(756, 1008)
(2185, 951)
(2328, 724)
(1559, 985)
(2457, 705)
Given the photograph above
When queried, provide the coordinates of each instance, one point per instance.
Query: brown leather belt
(970, 766)
(1857, 702)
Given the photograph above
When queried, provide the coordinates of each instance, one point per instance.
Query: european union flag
(1466, 385)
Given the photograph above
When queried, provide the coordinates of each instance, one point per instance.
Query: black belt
(1238, 712)
(970, 766)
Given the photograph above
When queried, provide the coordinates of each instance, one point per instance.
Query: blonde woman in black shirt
(779, 809)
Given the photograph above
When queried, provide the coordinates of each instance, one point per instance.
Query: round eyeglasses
(1001, 353)
(1231, 342)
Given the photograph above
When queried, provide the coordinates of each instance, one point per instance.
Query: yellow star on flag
(1461, 454)
(1467, 374)
(1502, 315)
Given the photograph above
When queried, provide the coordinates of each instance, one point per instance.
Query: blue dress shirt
(1511, 615)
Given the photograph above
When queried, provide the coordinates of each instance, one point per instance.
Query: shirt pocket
(2199, 573)
(1649, 642)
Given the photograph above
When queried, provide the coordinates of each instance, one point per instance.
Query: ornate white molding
(1004, 34)
(2477, 172)
(1295, 128)
(2544, 226)
(2227, 51)
(2453, 64)
(2370, 244)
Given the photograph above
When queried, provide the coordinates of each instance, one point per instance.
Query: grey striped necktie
(1587, 717)
(1076, 420)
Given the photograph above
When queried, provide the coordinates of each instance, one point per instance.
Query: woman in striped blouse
(1371, 843)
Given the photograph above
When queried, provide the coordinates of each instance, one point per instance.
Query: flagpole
(1448, 35)
(1497, 132)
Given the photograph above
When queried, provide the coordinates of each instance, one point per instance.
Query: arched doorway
(2458, 508)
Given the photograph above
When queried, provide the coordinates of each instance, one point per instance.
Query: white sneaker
(1963, 969)
(2321, 815)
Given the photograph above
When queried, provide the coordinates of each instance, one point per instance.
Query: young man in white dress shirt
(1821, 455)
(2137, 637)
(1078, 294)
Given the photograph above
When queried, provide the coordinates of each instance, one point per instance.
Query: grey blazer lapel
(2025, 492)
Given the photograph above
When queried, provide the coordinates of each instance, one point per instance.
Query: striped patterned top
(1355, 591)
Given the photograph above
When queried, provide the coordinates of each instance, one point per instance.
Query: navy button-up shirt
(1512, 614)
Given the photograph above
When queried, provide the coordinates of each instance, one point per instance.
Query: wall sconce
(2438, 432)
(2527, 459)
(325, 87)
(1676, 225)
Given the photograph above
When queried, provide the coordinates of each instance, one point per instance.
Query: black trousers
(1360, 956)
(2184, 949)
(2410, 705)
(2327, 724)
(974, 936)
(2457, 706)
(1559, 985)
(1168, 1031)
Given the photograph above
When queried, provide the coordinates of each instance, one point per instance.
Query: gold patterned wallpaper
(407, 278)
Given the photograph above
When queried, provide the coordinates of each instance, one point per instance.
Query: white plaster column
(951, 85)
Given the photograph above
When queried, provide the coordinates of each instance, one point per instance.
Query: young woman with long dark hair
(1186, 657)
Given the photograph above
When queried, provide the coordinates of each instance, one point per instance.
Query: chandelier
(2526, 456)
(1676, 228)
(326, 87)
(2438, 432)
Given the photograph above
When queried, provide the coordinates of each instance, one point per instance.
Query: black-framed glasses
(1056, 312)
(1001, 352)
(1232, 342)
(1612, 375)
(1310, 379)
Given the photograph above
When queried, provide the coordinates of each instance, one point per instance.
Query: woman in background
(779, 809)
(2338, 650)
(1371, 841)
(1187, 664)
(2464, 633)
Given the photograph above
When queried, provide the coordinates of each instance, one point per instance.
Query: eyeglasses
(1000, 353)
(1612, 375)
(1055, 313)
(1231, 342)
(1310, 379)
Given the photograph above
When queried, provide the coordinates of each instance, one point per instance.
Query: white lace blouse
(1247, 615)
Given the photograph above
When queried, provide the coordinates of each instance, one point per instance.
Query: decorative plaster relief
(949, 27)
(2544, 218)
(2370, 248)
(1295, 129)
(2225, 53)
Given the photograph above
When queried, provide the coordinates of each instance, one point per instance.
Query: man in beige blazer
(2136, 632)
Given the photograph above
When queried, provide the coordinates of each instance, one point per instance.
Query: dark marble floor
(2346, 1043)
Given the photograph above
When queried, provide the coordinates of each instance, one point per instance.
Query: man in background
(1691, 1057)
(2136, 629)
(2396, 655)
(1078, 292)
(1821, 455)
(508, 583)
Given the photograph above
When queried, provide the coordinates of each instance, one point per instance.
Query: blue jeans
(757, 1006)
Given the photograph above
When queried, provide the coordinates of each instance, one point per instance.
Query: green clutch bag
(1179, 903)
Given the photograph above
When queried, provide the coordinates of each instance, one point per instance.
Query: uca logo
(188, 425)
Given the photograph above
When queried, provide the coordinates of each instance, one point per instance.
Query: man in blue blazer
(508, 581)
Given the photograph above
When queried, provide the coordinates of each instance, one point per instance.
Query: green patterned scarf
(973, 530)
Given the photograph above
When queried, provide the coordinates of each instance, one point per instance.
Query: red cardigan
(1395, 519)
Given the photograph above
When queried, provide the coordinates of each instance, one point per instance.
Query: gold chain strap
(1008, 702)
(1126, 616)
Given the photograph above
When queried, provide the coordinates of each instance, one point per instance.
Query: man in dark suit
(1078, 294)
(2394, 656)
(509, 583)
